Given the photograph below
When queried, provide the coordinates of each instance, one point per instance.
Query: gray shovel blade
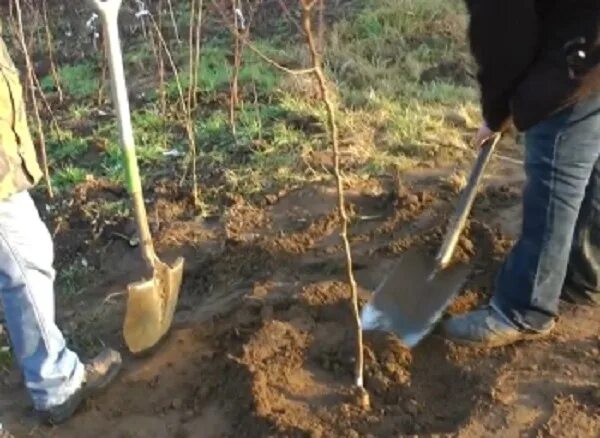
(408, 302)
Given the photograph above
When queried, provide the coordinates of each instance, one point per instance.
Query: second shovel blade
(408, 303)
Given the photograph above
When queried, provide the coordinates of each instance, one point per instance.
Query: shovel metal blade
(151, 305)
(408, 302)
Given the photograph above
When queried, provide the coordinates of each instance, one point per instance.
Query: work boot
(487, 327)
(99, 372)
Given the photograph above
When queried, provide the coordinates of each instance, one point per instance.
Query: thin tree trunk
(307, 6)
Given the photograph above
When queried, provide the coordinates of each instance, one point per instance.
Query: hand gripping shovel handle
(109, 13)
(459, 217)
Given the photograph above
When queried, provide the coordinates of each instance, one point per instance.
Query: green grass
(68, 176)
(65, 145)
(115, 209)
(79, 81)
(401, 66)
(390, 43)
(398, 68)
(215, 72)
(69, 279)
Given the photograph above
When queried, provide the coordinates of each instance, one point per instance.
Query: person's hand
(483, 135)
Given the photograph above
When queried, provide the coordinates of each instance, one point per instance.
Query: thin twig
(192, 84)
(103, 70)
(237, 55)
(197, 48)
(165, 46)
(288, 14)
(161, 67)
(195, 34)
(189, 123)
(50, 44)
(333, 131)
(191, 132)
(275, 64)
(321, 26)
(255, 49)
(174, 21)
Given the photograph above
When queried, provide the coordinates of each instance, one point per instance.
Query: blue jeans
(51, 372)
(561, 218)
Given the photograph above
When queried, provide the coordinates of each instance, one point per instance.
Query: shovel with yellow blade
(151, 302)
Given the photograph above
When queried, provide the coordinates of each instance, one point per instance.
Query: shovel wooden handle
(463, 208)
(109, 13)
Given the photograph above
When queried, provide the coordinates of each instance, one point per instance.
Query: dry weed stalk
(237, 60)
(50, 48)
(31, 83)
(188, 122)
(173, 21)
(247, 43)
(160, 64)
(194, 67)
(159, 53)
(194, 42)
(321, 26)
(288, 14)
(239, 27)
(104, 70)
(307, 6)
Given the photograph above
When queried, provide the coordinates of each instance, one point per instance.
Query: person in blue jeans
(57, 380)
(539, 69)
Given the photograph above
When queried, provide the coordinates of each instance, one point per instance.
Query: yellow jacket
(19, 167)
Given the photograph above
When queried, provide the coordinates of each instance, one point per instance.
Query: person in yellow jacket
(57, 380)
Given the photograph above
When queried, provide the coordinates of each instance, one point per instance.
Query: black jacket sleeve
(504, 38)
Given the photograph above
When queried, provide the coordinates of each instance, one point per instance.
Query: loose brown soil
(263, 341)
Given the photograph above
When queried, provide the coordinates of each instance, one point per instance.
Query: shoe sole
(82, 396)
(500, 343)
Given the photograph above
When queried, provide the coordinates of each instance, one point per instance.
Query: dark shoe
(487, 328)
(99, 372)
(579, 297)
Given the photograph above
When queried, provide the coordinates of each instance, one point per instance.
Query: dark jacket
(519, 46)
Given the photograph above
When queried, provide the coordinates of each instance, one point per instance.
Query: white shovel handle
(107, 6)
(109, 14)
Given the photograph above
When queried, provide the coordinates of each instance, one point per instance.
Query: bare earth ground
(263, 341)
